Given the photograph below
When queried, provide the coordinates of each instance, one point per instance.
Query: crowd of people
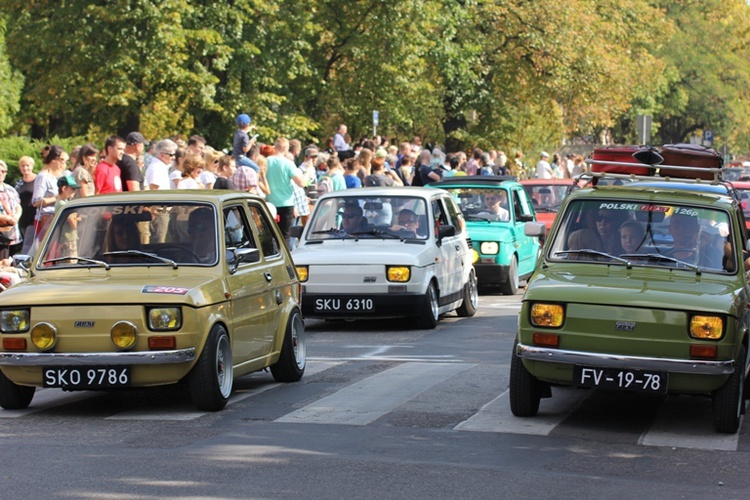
(289, 176)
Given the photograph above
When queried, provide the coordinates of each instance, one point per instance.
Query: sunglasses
(350, 216)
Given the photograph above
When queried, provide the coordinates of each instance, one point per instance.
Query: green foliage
(12, 148)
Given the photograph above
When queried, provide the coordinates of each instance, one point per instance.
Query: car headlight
(302, 273)
(398, 274)
(549, 315)
(164, 318)
(706, 327)
(123, 334)
(44, 336)
(489, 248)
(14, 321)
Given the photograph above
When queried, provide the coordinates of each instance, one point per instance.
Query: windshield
(546, 197)
(395, 217)
(482, 204)
(132, 234)
(638, 234)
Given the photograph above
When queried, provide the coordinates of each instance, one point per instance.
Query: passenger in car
(122, 234)
(408, 223)
(608, 223)
(583, 239)
(203, 234)
(632, 235)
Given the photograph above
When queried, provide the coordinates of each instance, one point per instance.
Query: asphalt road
(382, 412)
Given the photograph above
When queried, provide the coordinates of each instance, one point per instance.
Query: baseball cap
(134, 138)
(67, 180)
(243, 120)
(381, 153)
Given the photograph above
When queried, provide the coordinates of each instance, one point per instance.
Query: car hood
(365, 252)
(638, 287)
(482, 231)
(114, 288)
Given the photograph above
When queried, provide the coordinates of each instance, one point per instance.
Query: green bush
(13, 148)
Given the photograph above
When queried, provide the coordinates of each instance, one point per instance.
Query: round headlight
(489, 247)
(474, 256)
(123, 334)
(44, 336)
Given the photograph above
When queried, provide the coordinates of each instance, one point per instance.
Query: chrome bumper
(96, 358)
(603, 360)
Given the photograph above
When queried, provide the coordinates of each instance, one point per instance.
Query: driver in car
(494, 208)
(685, 231)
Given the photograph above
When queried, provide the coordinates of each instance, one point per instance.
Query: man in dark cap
(130, 170)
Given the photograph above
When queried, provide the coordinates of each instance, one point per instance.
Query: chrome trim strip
(604, 360)
(96, 358)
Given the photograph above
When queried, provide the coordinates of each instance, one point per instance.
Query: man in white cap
(543, 168)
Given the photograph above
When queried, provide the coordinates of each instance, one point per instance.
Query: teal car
(502, 227)
(641, 288)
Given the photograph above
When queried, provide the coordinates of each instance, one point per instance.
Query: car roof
(215, 196)
(662, 192)
(473, 181)
(533, 182)
(420, 192)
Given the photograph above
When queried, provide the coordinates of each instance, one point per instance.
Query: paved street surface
(382, 412)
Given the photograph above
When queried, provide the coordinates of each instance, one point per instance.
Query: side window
(237, 233)
(439, 216)
(524, 205)
(454, 214)
(268, 242)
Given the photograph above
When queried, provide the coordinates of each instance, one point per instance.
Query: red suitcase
(690, 155)
(620, 154)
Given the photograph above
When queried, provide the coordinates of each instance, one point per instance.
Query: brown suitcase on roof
(690, 155)
(619, 154)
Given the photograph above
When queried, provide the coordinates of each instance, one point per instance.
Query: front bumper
(491, 274)
(334, 306)
(604, 360)
(96, 358)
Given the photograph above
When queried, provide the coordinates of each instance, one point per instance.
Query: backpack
(325, 185)
(417, 179)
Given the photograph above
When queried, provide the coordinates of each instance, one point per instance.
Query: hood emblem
(625, 326)
(84, 324)
(370, 279)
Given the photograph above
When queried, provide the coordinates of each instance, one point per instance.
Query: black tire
(428, 316)
(293, 358)
(471, 298)
(14, 396)
(211, 378)
(729, 399)
(525, 389)
(510, 287)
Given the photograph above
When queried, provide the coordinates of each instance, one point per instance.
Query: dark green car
(641, 288)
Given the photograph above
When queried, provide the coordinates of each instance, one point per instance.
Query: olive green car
(153, 288)
(641, 288)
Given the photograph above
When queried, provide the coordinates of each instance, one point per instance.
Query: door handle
(458, 248)
(268, 276)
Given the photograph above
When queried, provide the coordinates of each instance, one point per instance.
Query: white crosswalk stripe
(366, 401)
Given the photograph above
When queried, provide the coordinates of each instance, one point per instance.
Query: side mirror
(447, 230)
(534, 228)
(296, 231)
(22, 261)
(236, 256)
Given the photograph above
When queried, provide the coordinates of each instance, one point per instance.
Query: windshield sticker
(637, 207)
(169, 290)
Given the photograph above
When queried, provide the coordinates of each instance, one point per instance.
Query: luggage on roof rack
(619, 154)
(705, 161)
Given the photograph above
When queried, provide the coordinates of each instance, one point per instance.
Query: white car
(383, 253)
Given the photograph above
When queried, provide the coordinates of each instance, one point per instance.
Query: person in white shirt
(543, 168)
(157, 177)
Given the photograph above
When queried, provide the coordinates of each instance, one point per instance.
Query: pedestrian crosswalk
(390, 384)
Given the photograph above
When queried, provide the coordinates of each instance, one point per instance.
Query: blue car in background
(502, 226)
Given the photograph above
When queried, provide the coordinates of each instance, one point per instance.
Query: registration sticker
(169, 290)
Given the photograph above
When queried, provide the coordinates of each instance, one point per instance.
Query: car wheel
(510, 287)
(525, 389)
(471, 297)
(14, 396)
(291, 364)
(428, 317)
(211, 378)
(729, 399)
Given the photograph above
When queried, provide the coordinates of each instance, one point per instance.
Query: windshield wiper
(87, 260)
(658, 256)
(376, 232)
(589, 251)
(144, 254)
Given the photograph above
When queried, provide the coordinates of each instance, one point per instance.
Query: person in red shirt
(107, 174)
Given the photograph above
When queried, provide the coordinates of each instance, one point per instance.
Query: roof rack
(657, 169)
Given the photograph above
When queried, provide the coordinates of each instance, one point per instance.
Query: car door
(527, 247)
(252, 301)
(450, 254)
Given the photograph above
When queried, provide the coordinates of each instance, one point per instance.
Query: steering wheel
(178, 253)
(691, 253)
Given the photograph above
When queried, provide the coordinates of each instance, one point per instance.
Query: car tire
(471, 297)
(729, 399)
(428, 316)
(293, 358)
(525, 389)
(510, 287)
(14, 396)
(211, 378)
